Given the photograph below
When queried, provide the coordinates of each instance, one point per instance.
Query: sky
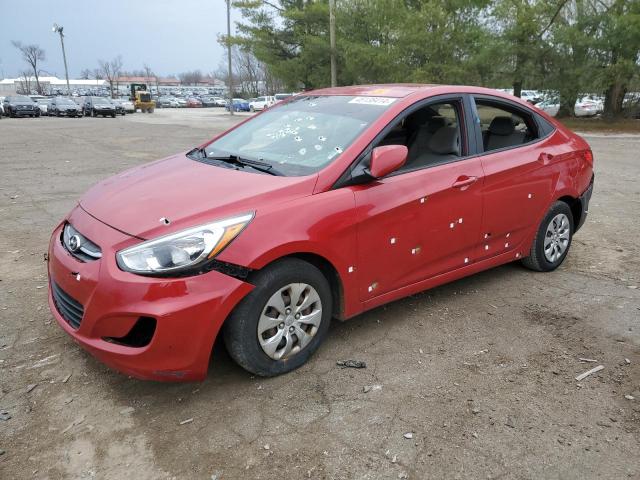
(171, 36)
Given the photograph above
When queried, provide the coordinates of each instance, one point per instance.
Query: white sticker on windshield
(373, 100)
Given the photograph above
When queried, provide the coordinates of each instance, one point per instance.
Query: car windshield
(20, 98)
(64, 101)
(302, 136)
(100, 101)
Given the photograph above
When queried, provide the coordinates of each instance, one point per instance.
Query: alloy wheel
(289, 320)
(556, 238)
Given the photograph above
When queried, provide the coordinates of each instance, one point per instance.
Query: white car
(261, 103)
(42, 103)
(550, 107)
(282, 96)
(588, 107)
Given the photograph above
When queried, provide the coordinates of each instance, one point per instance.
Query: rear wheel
(553, 239)
(282, 321)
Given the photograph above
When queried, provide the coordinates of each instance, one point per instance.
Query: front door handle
(464, 181)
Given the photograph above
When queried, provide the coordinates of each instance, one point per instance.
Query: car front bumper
(188, 311)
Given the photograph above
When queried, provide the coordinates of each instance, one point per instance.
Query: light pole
(230, 82)
(332, 41)
(58, 29)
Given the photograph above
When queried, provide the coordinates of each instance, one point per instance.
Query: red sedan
(324, 206)
(193, 103)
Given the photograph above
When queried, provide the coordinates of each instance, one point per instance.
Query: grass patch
(625, 125)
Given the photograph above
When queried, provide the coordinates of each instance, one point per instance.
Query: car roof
(396, 90)
(401, 90)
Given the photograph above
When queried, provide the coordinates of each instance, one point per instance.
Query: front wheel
(553, 239)
(282, 321)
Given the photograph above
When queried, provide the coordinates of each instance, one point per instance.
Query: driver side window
(432, 135)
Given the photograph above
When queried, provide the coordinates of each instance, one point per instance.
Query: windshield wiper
(245, 162)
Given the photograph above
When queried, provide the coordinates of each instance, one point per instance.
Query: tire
(240, 330)
(113, 115)
(542, 261)
(151, 110)
(93, 113)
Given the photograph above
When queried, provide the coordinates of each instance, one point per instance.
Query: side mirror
(387, 159)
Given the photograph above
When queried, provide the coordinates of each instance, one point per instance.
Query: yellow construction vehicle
(141, 98)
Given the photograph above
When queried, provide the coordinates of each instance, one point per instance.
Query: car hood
(22, 103)
(186, 193)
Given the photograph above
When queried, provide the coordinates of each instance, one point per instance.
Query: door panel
(417, 225)
(517, 188)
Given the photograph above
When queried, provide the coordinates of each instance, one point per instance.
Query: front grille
(69, 308)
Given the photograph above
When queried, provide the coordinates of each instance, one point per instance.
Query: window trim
(469, 143)
(509, 105)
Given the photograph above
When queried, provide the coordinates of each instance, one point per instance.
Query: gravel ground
(480, 372)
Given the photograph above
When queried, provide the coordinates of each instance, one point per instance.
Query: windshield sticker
(378, 101)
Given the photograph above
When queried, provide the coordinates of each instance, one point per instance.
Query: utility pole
(58, 29)
(332, 41)
(230, 80)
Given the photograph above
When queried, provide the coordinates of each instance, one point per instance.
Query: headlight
(183, 250)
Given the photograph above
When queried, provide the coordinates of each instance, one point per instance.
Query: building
(50, 85)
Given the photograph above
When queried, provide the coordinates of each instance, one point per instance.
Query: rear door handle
(545, 158)
(464, 181)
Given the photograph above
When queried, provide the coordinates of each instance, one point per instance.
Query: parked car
(64, 107)
(550, 107)
(208, 101)
(20, 106)
(127, 104)
(94, 106)
(117, 104)
(282, 96)
(44, 105)
(220, 102)
(261, 103)
(166, 102)
(42, 102)
(531, 96)
(193, 102)
(588, 107)
(180, 102)
(239, 105)
(376, 194)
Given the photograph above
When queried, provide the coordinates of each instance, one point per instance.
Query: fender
(320, 224)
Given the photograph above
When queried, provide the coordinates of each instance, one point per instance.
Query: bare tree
(85, 74)
(190, 78)
(110, 70)
(149, 75)
(24, 87)
(249, 70)
(32, 54)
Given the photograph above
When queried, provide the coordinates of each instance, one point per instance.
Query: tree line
(570, 47)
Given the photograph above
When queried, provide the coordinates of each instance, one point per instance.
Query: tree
(24, 86)
(111, 70)
(85, 74)
(32, 54)
(190, 78)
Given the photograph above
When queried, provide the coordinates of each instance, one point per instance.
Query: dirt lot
(481, 371)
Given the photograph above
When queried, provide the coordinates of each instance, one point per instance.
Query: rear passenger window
(503, 127)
